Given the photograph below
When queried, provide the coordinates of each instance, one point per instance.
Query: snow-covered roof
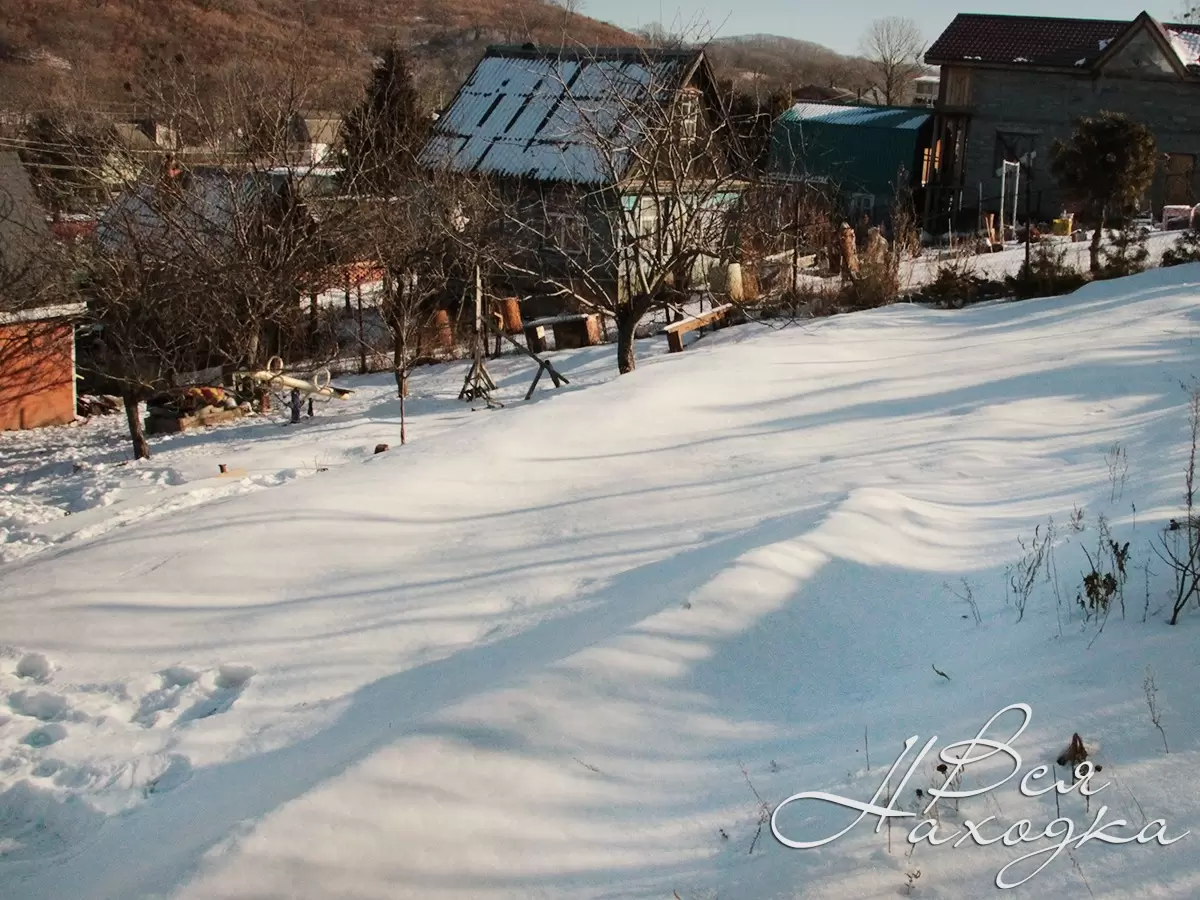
(42, 313)
(556, 115)
(868, 116)
(203, 204)
(1186, 44)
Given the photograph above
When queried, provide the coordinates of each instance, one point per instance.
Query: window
(931, 162)
(689, 115)
(1013, 146)
(568, 232)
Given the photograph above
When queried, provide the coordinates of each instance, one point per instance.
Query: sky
(836, 26)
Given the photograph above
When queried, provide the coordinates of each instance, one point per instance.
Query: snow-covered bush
(1186, 249)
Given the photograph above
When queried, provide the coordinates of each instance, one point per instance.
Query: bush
(1125, 254)
(956, 285)
(1186, 249)
(1047, 274)
(877, 284)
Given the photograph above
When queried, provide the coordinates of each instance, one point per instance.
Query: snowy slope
(563, 649)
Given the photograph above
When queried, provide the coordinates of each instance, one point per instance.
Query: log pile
(171, 412)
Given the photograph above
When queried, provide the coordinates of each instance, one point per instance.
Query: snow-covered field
(584, 646)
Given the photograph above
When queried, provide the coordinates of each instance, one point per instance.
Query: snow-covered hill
(583, 647)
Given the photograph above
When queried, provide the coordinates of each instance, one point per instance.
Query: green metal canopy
(859, 149)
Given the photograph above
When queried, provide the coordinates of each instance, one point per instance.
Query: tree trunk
(362, 340)
(141, 449)
(1094, 249)
(626, 323)
(400, 365)
(403, 393)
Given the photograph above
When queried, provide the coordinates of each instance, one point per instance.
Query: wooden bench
(676, 330)
(570, 330)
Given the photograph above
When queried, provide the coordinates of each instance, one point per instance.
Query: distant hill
(768, 61)
(94, 51)
(99, 54)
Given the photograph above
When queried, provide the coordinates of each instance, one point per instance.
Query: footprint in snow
(174, 681)
(35, 667)
(177, 771)
(39, 705)
(230, 682)
(45, 736)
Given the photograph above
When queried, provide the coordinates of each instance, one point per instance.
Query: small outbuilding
(859, 151)
(37, 368)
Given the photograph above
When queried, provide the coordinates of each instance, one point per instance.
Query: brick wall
(1047, 105)
(37, 374)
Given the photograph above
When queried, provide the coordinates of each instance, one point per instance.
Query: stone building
(1012, 85)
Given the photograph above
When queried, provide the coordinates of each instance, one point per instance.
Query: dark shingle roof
(1031, 40)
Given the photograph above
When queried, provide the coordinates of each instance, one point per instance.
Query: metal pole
(1028, 218)
(1003, 185)
(1016, 196)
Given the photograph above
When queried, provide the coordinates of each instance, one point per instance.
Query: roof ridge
(1025, 18)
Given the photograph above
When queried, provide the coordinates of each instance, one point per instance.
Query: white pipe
(319, 385)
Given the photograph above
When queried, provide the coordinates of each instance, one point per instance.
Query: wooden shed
(37, 368)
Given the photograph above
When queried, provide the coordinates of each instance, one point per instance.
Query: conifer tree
(1105, 166)
(383, 134)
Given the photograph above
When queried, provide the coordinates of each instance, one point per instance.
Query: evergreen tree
(1105, 166)
(65, 162)
(383, 134)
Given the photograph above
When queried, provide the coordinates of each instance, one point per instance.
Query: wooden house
(599, 154)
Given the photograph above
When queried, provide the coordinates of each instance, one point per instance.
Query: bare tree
(426, 240)
(893, 47)
(641, 197)
(217, 261)
(147, 334)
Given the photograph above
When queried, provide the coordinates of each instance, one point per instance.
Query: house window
(1013, 146)
(568, 232)
(1179, 177)
(689, 115)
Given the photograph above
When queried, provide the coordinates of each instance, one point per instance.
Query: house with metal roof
(865, 154)
(1012, 85)
(603, 150)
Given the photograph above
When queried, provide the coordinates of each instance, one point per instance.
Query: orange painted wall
(37, 374)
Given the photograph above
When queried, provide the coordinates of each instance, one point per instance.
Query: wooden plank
(699, 321)
(564, 319)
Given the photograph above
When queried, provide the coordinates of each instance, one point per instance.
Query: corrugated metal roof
(554, 116)
(865, 116)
